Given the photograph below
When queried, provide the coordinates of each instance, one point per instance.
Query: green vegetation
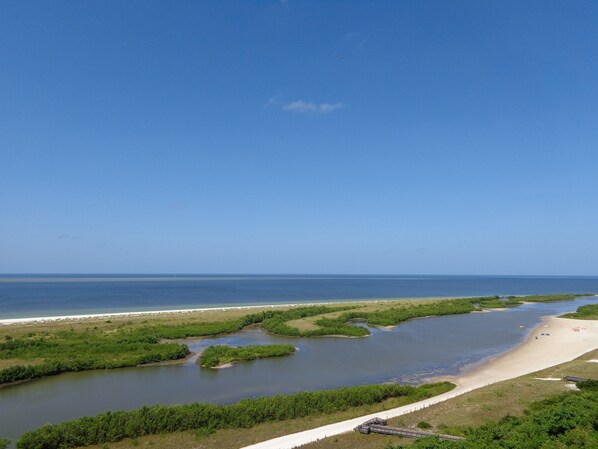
(588, 385)
(567, 420)
(454, 416)
(69, 350)
(110, 427)
(4, 443)
(77, 351)
(500, 303)
(275, 323)
(550, 298)
(588, 312)
(31, 355)
(215, 356)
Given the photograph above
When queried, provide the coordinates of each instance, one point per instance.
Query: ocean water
(48, 295)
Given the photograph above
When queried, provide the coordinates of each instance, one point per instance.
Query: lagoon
(408, 353)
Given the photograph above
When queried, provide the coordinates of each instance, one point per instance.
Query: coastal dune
(563, 341)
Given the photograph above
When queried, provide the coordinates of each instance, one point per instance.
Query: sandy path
(562, 345)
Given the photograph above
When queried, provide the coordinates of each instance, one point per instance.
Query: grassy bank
(111, 427)
(215, 356)
(473, 409)
(32, 351)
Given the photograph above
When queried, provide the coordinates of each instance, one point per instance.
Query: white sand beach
(91, 316)
(43, 319)
(567, 340)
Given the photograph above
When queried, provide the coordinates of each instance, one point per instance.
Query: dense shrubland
(568, 420)
(78, 351)
(214, 356)
(116, 426)
(587, 312)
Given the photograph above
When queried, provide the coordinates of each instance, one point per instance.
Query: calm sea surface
(34, 295)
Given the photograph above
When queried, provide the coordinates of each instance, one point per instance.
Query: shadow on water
(407, 354)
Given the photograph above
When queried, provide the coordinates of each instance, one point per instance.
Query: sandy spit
(43, 319)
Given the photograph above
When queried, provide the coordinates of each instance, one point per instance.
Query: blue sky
(426, 137)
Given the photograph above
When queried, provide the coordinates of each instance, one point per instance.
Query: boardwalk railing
(378, 425)
(575, 379)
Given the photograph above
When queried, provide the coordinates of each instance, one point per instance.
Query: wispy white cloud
(310, 107)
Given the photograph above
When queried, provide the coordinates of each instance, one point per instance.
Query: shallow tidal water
(408, 353)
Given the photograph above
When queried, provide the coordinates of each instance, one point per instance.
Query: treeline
(214, 356)
(568, 420)
(112, 427)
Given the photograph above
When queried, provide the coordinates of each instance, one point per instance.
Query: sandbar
(43, 319)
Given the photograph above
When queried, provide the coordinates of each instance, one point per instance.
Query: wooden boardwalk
(378, 425)
(575, 379)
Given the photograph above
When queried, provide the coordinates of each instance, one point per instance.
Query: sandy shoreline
(137, 313)
(44, 319)
(559, 344)
(562, 345)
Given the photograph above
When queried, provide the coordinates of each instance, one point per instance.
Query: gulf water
(51, 295)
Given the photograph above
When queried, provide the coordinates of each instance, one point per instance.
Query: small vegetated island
(33, 351)
(221, 355)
